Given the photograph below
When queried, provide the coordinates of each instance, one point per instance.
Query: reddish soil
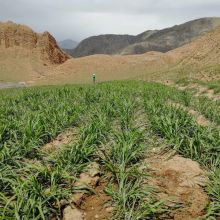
(94, 206)
(97, 206)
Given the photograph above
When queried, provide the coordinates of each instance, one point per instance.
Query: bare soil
(93, 206)
(211, 95)
(179, 183)
(62, 139)
(201, 91)
(97, 206)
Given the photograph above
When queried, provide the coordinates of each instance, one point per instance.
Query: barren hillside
(25, 54)
(196, 58)
(36, 59)
(174, 37)
(157, 40)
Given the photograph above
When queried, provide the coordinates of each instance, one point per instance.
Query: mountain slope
(102, 44)
(171, 38)
(31, 57)
(68, 44)
(162, 40)
(200, 58)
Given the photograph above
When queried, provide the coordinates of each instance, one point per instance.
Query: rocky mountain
(24, 39)
(198, 59)
(153, 40)
(25, 54)
(102, 44)
(174, 37)
(68, 44)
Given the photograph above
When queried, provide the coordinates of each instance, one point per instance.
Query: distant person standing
(94, 78)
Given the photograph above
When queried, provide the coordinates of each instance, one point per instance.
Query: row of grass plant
(122, 156)
(33, 189)
(32, 184)
(209, 108)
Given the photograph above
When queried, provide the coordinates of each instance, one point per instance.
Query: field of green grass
(117, 124)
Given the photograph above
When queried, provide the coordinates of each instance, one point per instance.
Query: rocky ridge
(44, 46)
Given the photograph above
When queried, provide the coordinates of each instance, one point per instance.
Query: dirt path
(179, 183)
(7, 85)
(200, 119)
(201, 91)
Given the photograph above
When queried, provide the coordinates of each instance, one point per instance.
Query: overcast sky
(78, 19)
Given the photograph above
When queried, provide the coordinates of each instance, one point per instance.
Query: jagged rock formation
(44, 45)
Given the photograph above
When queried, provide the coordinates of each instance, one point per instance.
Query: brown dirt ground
(201, 91)
(96, 206)
(210, 94)
(179, 182)
(62, 139)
